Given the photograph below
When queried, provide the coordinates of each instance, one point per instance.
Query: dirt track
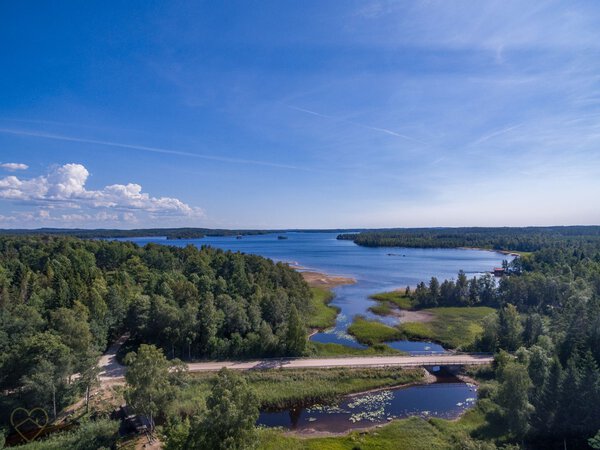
(113, 372)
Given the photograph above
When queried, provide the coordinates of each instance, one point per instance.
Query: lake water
(444, 399)
(376, 269)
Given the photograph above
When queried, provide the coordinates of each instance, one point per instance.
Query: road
(354, 361)
(113, 372)
(110, 369)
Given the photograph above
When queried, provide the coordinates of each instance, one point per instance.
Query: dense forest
(526, 239)
(62, 300)
(547, 393)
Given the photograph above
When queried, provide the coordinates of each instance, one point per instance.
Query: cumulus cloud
(11, 167)
(65, 186)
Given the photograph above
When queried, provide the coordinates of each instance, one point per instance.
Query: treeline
(62, 300)
(169, 233)
(526, 239)
(529, 292)
(460, 292)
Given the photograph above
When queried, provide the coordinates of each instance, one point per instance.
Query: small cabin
(131, 422)
(499, 271)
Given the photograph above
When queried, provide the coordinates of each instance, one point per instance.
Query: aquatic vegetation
(373, 407)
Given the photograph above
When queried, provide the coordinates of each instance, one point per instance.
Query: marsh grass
(453, 327)
(381, 309)
(397, 298)
(372, 332)
(285, 388)
(331, 349)
(322, 315)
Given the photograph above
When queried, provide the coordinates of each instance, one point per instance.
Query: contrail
(362, 125)
(149, 149)
(496, 133)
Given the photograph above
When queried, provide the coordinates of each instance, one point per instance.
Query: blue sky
(299, 114)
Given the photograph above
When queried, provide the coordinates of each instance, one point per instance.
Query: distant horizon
(291, 229)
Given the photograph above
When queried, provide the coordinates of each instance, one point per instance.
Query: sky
(312, 114)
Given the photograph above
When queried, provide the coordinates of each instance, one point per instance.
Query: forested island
(64, 300)
(100, 233)
(523, 239)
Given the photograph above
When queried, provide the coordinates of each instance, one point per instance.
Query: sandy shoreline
(323, 280)
(503, 252)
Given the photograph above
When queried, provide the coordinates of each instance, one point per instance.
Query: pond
(445, 399)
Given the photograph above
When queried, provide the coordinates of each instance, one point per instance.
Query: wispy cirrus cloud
(146, 148)
(362, 125)
(493, 134)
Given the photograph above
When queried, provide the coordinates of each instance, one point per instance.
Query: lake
(376, 269)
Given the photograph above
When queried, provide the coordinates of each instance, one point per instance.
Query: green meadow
(453, 327)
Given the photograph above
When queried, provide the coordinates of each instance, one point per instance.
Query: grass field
(283, 388)
(452, 327)
(456, 327)
(397, 298)
(412, 433)
(322, 315)
(372, 332)
(327, 350)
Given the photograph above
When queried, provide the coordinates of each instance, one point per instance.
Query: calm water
(447, 400)
(375, 270)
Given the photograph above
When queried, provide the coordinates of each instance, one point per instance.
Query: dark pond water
(375, 270)
(443, 399)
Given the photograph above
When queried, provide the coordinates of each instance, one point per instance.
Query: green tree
(533, 329)
(148, 381)
(513, 398)
(462, 289)
(488, 341)
(547, 401)
(232, 411)
(49, 362)
(434, 291)
(207, 324)
(509, 328)
(296, 333)
(473, 292)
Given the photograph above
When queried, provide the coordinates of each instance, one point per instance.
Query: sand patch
(414, 316)
(323, 280)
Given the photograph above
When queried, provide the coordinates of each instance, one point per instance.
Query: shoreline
(503, 252)
(323, 280)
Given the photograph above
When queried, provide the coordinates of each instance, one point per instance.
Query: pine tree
(296, 333)
(509, 328)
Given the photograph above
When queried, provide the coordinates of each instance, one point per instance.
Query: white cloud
(11, 167)
(65, 186)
